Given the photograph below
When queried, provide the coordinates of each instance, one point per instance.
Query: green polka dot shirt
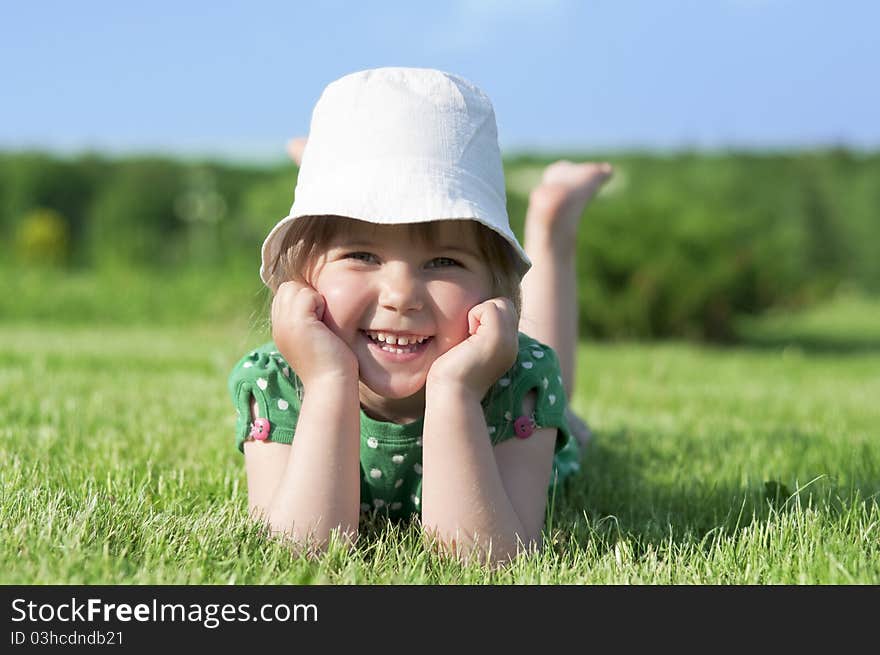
(391, 454)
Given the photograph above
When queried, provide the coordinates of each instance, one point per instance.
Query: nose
(400, 291)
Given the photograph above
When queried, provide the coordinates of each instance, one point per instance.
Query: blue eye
(443, 262)
(361, 256)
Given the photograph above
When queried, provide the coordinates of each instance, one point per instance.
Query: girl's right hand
(305, 341)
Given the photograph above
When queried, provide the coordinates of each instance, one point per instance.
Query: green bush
(133, 222)
(675, 246)
(42, 238)
(34, 180)
(682, 245)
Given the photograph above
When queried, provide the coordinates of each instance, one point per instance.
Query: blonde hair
(309, 237)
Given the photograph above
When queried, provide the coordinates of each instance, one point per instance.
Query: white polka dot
(552, 399)
(375, 474)
(491, 429)
(286, 371)
(248, 364)
(417, 468)
(398, 483)
(546, 382)
(538, 354)
(508, 416)
(373, 442)
(283, 404)
(528, 364)
(365, 507)
(397, 459)
(504, 382)
(396, 505)
(261, 382)
(419, 441)
(559, 377)
(416, 500)
(378, 502)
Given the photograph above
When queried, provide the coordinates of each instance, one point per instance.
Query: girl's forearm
(464, 503)
(320, 488)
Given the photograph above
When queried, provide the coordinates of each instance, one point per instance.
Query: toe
(295, 148)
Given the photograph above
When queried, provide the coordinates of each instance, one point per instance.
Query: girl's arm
(476, 498)
(312, 487)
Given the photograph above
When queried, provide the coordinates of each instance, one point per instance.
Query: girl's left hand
(489, 351)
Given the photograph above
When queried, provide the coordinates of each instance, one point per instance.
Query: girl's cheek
(456, 329)
(341, 312)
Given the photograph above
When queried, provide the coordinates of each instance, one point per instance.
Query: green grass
(756, 464)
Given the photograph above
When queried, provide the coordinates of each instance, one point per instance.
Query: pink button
(524, 426)
(260, 429)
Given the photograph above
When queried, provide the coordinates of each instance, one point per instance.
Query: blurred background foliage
(682, 245)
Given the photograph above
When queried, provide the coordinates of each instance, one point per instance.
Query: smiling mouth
(397, 343)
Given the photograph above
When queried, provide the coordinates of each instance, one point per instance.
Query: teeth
(395, 340)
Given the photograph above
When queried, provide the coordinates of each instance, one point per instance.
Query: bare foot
(295, 149)
(556, 205)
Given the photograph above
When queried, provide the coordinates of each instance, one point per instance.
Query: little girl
(413, 369)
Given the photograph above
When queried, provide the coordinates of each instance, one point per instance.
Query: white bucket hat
(401, 145)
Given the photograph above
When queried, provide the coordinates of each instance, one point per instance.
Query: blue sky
(236, 79)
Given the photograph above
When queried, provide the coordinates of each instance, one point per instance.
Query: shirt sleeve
(265, 375)
(536, 369)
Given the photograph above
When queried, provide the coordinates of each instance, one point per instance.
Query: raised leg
(549, 312)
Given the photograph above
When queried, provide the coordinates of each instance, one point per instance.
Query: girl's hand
(489, 351)
(305, 341)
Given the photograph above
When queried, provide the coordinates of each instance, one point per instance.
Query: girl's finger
(284, 297)
(483, 314)
(473, 320)
(504, 305)
(504, 311)
(308, 303)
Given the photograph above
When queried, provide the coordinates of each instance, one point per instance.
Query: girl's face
(399, 304)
